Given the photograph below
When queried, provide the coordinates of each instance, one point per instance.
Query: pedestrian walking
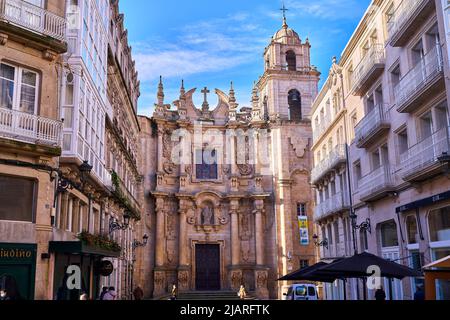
(242, 293)
(380, 294)
(110, 295)
(102, 294)
(174, 293)
(420, 294)
(138, 293)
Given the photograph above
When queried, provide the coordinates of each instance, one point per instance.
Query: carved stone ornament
(245, 169)
(299, 145)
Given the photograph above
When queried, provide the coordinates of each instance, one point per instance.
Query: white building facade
(394, 74)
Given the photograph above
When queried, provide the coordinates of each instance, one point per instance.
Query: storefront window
(389, 236)
(14, 189)
(439, 222)
(411, 229)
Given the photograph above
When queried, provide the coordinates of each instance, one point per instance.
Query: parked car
(304, 291)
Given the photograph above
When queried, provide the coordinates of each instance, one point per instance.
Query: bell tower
(285, 94)
(289, 83)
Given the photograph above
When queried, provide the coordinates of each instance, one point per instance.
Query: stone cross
(205, 92)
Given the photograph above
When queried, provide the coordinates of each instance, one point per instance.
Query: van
(305, 291)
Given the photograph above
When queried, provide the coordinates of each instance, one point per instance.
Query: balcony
(18, 14)
(369, 69)
(377, 184)
(408, 17)
(25, 127)
(337, 157)
(373, 126)
(421, 161)
(421, 83)
(338, 203)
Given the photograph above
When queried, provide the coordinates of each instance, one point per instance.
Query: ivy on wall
(122, 198)
(99, 241)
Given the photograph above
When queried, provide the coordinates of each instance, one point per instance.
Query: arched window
(439, 222)
(295, 105)
(411, 229)
(291, 60)
(389, 236)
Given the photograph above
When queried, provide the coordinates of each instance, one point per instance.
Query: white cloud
(182, 63)
(326, 9)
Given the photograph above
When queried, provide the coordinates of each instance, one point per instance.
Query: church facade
(227, 190)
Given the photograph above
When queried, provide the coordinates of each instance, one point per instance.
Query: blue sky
(210, 43)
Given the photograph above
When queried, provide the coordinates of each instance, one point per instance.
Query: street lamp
(137, 244)
(115, 225)
(323, 243)
(85, 170)
(366, 225)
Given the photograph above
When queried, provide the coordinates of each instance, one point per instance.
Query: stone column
(261, 272)
(69, 223)
(235, 245)
(160, 232)
(159, 273)
(183, 243)
(76, 216)
(259, 232)
(183, 268)
(64, 208)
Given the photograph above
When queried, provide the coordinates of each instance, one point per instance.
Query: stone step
(216, 295)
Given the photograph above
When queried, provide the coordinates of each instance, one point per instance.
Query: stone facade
(247, 203)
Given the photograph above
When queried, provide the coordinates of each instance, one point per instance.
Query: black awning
(358, 267)
(312, 273)
(79, 248)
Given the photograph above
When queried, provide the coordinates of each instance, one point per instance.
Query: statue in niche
(208, 216)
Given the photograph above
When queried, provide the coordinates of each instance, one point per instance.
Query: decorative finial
(160, 92)
(232, 97)
(284, 15)
(255, 97)
(182, 90)
(205, 105)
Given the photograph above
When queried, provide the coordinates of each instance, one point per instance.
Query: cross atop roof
(284, 13)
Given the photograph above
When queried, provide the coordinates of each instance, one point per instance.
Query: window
(363, 240)
(17, 188)
(439, 223)
(411, 230)
(357, 173)
(206, 165)
(301, 210)
(354, 123)
(291, 60)
(18, 89)
(402, 141)
(389, 236)
(304, 264)
(395, 77)
(295, 105)
(425, 126)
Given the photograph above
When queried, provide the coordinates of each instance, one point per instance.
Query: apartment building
(394, 74)
(100, 181)
(32, 39)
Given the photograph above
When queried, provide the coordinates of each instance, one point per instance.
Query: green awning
(79, 248)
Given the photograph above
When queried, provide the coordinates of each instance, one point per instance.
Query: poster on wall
(304, 232)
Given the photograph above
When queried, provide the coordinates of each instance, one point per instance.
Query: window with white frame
(18, 88)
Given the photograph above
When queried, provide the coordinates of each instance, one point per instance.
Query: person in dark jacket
(102, 294)
(420, 294)
(380, 295)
